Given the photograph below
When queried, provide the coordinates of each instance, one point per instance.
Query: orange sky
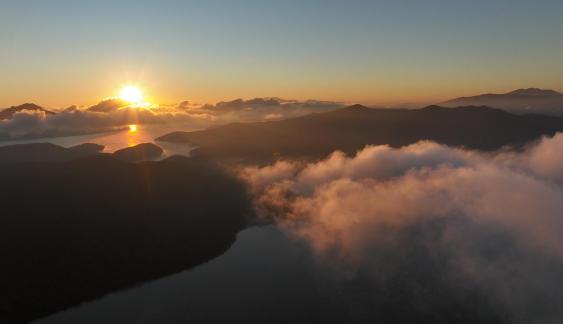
(59, 53)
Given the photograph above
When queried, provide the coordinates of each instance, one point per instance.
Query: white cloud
(114, 113)
(494, 221)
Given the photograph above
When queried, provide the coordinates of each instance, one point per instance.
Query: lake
(265, 277)
(113, 141)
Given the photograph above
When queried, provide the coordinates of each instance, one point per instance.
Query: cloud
(76, 121)
(546, 158)
(435, 217)
(108, 105)
(267, 108)
(114, 113)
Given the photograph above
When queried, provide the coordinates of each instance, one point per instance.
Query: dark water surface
(270, 277)
(264, 277)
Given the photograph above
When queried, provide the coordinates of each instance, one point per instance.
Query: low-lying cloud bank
(431, 226)
(112, 114)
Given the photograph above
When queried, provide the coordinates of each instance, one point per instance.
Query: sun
(131, 94)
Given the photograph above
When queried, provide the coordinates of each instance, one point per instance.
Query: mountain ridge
(352, 128)
(520, 101)
(8, 113)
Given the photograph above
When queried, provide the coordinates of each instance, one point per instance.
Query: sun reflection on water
(133, 135)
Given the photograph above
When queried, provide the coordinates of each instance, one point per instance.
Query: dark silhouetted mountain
(535, 92)
(10, 112)
(521, 101)
(87, 148)
(46, 152)
(138, 153)
(350, 129)
(75, 230)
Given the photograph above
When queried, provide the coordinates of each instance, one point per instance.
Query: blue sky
(75, 52)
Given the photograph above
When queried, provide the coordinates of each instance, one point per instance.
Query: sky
(61, 52)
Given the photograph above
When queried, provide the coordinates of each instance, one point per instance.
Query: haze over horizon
(368, 52)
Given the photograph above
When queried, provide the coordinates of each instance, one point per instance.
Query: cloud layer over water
(111, 114)
(440, 223)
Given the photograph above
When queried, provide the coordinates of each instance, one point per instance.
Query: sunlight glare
(131, 94)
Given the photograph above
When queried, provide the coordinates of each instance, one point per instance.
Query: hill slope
(74, 230)
(46, 152)
(350, 129)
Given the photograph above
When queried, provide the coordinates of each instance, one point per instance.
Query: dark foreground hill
(48, 152)
(138, 153)
(77, 229)
(350, 129)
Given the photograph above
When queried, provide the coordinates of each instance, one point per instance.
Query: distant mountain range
(350, 129)
(8, 113)
(523, 101)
